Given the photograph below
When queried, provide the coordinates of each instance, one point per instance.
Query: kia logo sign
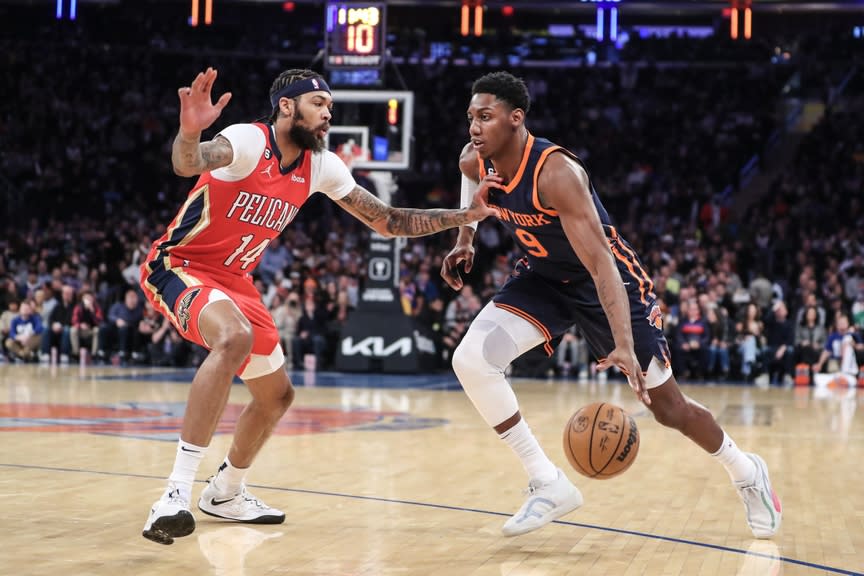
(373, 346)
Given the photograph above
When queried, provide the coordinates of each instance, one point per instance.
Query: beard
(303, 137)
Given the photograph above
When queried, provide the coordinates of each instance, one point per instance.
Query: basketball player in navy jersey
(577, 270)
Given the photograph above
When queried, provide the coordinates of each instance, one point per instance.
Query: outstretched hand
(627, 362)
(197, 111)
(480, 208)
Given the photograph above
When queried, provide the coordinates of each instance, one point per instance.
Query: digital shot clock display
(355, 35)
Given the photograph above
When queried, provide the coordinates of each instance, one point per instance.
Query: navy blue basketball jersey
(551, 288)
(538, 230)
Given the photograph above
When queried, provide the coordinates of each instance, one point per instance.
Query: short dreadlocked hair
(289, 77)
(505, 87)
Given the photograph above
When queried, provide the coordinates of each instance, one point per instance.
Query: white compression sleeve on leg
(494, 339)
(469, 187)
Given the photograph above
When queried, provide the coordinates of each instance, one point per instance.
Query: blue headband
(299, 87)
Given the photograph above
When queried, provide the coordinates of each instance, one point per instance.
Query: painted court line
(463, 509)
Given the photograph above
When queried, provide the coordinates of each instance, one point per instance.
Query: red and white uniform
(217, 238)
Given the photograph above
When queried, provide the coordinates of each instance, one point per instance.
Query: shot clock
(355, 35)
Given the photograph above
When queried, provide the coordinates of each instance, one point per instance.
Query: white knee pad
(486, 349)
(215, 296)
(492, 342)
(260, 365)
(657, 374)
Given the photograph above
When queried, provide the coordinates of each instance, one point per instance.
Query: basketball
(601, 440)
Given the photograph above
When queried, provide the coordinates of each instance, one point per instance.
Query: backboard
(372, 129)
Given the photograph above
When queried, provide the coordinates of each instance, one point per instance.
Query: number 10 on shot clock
(355, 34)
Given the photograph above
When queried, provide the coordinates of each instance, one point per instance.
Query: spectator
(122, 328)
(751, 342)
(780, 345)
(462, 308)
(572, 354)
(39, 298)
(286, 315)
(151, 322)
(9, 314)
(168, 348)
(809, 338)
(721, 339)
(811, 301)
(275, 260)
(694, 340)
(425, 285)
(311, 337)
(59, 325)
(337, 313)
(841, 349)
(25, 333)
(858, 310)
(86, 318)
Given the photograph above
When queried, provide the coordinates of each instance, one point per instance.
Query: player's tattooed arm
(389, 221)
(191, 157)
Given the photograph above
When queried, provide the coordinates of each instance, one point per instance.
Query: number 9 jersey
(550, 287)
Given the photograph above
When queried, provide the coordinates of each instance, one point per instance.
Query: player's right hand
(197, 111)
(462, 252)
(628, 363)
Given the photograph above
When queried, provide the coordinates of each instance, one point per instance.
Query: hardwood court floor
(406, 479)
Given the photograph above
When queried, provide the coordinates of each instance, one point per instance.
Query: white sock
(525, 445)
(229, 479)
(186, 464)
(737, 464)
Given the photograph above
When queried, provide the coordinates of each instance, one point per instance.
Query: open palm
(197, 111)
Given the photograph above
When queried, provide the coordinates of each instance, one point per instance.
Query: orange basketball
(601, 440)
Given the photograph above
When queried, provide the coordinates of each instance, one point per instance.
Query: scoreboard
(355, 35)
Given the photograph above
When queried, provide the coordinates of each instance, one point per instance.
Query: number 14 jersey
(233, 213)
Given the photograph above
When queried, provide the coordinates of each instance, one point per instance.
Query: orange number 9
(531, 244)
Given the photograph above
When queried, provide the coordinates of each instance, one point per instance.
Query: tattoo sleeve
(413, 222)
(191, 157)
(390, 221)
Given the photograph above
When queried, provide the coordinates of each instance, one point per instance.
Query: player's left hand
(627, 362)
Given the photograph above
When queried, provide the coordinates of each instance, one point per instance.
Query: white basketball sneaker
(240, 507)
(761, 503)
(169, 518)
(545, 503)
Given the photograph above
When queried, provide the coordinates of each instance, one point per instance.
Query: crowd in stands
(88, 121)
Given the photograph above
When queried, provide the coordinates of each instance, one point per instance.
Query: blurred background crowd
(733, 167)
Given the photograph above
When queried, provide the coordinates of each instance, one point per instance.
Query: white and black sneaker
(169, 518)
(240, 507)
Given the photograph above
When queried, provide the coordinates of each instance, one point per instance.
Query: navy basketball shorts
(554, 306)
